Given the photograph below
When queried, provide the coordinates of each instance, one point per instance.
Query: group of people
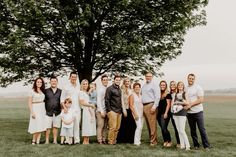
(116, 114)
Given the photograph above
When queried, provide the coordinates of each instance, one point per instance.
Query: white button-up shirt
(71, 91)
(101, 99)
(151, 93)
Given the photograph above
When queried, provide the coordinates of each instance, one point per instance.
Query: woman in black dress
(128, 125)
(163, 115)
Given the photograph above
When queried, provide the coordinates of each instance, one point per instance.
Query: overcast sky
(208, 51)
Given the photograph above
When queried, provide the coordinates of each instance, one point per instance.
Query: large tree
(41, 37)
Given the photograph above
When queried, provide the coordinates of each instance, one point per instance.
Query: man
(53, 109)
(101, 111)
(71, 90)
(195, 112)
(114, 109)
(150, 99)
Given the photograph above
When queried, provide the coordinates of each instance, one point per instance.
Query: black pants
(163, 123)
(196, 119)
(175, 129)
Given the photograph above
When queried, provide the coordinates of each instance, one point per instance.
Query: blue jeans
(163, 123)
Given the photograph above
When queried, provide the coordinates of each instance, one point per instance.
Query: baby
(178, 104)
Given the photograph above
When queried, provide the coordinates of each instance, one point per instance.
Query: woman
(173, 89)
(88, 116)
(136, 107)
(163, 116)
(179, 114)
(128, 126)
(37, 110)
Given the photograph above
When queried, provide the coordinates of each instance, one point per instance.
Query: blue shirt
(151, 93)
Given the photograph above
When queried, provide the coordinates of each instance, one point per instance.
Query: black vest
(52, 102)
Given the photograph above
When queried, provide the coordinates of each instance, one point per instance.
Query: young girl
(92, 98)
(88, 119)
(67, 118)
(37, 110)
(179, 114)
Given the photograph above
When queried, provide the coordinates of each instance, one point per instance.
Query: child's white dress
(67, 130)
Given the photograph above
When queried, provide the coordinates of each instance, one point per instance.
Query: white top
(151, 93)
(101, 99)
(70, 115)
(84, 96)
(125, 98)
(193, 92)
(71, 91)
(36, 97)
(138, 105)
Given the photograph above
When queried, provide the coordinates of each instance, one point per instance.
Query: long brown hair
(42, 88)
(164, 92)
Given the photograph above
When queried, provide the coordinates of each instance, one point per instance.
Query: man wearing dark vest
(53, 109)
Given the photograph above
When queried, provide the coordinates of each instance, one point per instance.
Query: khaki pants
(114, 120)
(151, 122)
(101, 127)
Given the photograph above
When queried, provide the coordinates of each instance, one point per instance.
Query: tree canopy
(93, 37)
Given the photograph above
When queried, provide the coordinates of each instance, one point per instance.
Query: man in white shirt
(195, 112)
(150, 99)
(101, 111)
(71, 90)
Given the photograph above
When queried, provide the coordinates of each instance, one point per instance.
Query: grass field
(220, 121)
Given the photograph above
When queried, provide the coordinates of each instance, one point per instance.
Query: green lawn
(220, 119)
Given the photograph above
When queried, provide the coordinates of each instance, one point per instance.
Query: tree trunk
(85, 73)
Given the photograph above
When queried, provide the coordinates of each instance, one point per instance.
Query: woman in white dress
(88, 119)
(37, 110)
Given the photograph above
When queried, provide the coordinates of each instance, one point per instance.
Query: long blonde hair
(178, 85)
(124, 89)
(81, 85)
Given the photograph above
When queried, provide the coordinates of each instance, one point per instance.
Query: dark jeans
(163, 123)
(175, 129)
(196, 119)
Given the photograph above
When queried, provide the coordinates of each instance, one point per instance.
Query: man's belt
(152, 102)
